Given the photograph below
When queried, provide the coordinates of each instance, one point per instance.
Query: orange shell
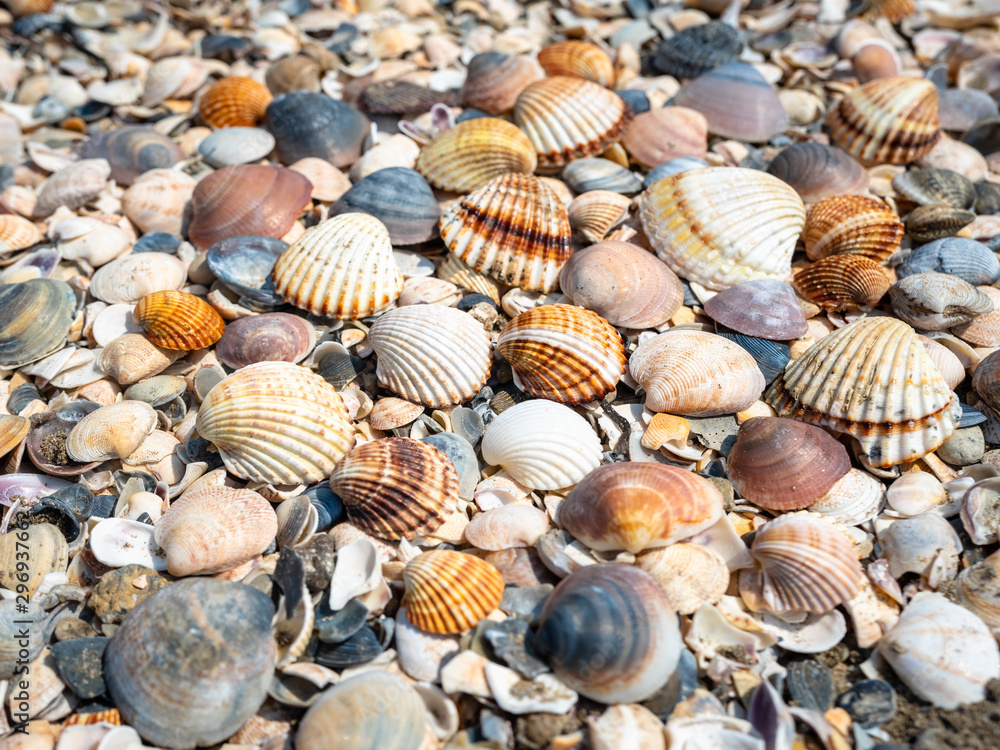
(852, 224)
(17, 233)
(579, 60)
(449, 592)
(178, 320)
(843, 282)
(233, 102)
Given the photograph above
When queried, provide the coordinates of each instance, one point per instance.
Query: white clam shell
(358, 571)
(110, 432)
(422, 654)
(129, 279)
(507, 527)
(926, 545)
(853, 499)
(117, 542)
(514, 694)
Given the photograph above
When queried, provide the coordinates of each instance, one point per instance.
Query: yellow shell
(17, 233)
(843, 282)
(594, 213)
(449, 592)
(474, 152)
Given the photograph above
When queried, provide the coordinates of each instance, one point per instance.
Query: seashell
(35, 319)
(233, 146)
(695, 374)
(542, 444)
(273, 337)
(975, 588)
(389, 413)
(12, 431)
(662, 135)
(696, 50)
(475, 152)
(244, 264)
(513, 229)
(639, 506)
(17, 233)
(249, 199)
(578, 60)
(132, 277)
(737, 101)
(430, 354)
(770, 356)
(450, 592)
(234, 101)
(110, 432)
(583, 175)
(428, 291)
(178, 320)
(593, 214)
(156, 391)
(852, 224)
(987, 198)
(28, 555)
(764, 308)
(72, 186)
(276, 422)
(507, 527)
(900, 408)
(494, 80)
(398, 197)
(929, 223)
(293, 73)
(132, 357)
(456, 272)
(46, 439)
(305, 124)
(131, 151)
(936, 301)
(887, 121)
(328, 182)
(852, 500)
(341, 268)
(926, 545)
(156, 200)
(876, 59)
(563, 353)
(223, 673)
(935, 187)
(601, 605)
(984, 330)
(404, 98)
(684, 219)
(173, 78)
(949, 365)
(10, 648)
(569, 118)
(843, 282)
(690, 574)
(214, 529)
(818, 172)
(941, 651)
(985, 380)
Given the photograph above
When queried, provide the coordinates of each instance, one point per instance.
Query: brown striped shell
(450, 592)
(474, 152)
(843, 282)
(593, 214)
(234, 101)
(269, 337)
(494, 80)
(579, 60)
(178, 320)
(855, 224)
(17, 233)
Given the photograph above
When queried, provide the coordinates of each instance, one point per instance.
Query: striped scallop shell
(570, 118)
(430, 354)
(843, 282)
(854, 224)
(456, 272)
(720, 226)
(449, 592)
(341, 268)
(578, 60)
(235, 101)
(178, 320)
(390, 412)
(278, 423)
(542, 444)
(396, 488)
(936, 301)
(594, 213)
(474, 152)
(887, 121)
(513, 229)
(17, 233)
(873, 380)
(563, 353)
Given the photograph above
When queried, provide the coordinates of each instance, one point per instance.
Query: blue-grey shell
(967, 259)
(244, 265)
(400, 198)
(771, 356)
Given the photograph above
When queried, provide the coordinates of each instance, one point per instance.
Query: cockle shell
(112, 431)
(936, 301)
(843, 282)
(578, 59)
(853, 499)
(983, 330)
(389, 413)
(690, 574)
(265, 338)
(507, 527)
(35, 318)
(129, 279)
(818, 172)
(854, 224)
(456, 272)
(234, 101)
(593, 214)
(276, 422)
(967, 259)
(72, 186)
(178, 320)
(474, 152)
(398, 197)
(132, 150)
(583, 175)
(494, 80)
(449, 592)
(764, 308)
(156, 200)
(17, 233)
(132, 357)
(708, 225)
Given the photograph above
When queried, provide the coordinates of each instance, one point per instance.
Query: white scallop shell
(853, 499)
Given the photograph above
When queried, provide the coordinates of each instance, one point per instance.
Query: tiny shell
(843, 282)
(764, 308)
(474, 152)
(178, 320)
(852, 224)
(578, 59)
(450, 592)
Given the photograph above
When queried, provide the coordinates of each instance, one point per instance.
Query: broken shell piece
(926, 545)
(514, 694)
(690, 574)
(117, 542)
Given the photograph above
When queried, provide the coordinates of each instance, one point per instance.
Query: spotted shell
(178, 320)
(578, 59)
(234, 101)
(854, 224)
(450, 592)
(843, 282)
(474, 152)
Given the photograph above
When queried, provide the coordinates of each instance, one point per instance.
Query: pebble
(79, 662)
(525, 602)
(811, 684)
(964, 448)
(119, 591)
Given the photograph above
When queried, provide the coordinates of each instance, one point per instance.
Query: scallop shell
(35, 319)
(234, 101)
(593, 214)
(494, 80)
(305, 124)
(276, 422)
(708, 225)
(853, 224)
(131, 151)
(984, 330)
(818, 172)
(132, 357)
(579, 60)
(935, 187)
(853, 499)
(178, 320)
(936, 301)
(697, 49)
(513, 229)
(843, 282)
(156, 200)
(456, 272)
(450, 592)
(72, 186)
(873, 380)
(690, 574)
(542, 444)
(389, 412)
(430, 354)
(695, 374)
(272, 337)
(113, 431)
(17, 233)
(398, 197)
(764, 308)
(474, 152)
(129, 279)
(967, 259)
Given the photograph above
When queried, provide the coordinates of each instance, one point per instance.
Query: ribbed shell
(342, 268)
(474, 152)
(494, 80)
(873, 380)
(737, 101)
(178, 320)
(689, 574)
(396, 488)
(12, 431)
(967, 259)
(390, 412)
(852, 500)
(720, 226)
(456, 272)
(563, 353)
(593, 214)
(930, 223)
(278, 423)
(854, 224)
(132, 277)
(843, 282)
(983, 330)
(764, 308)
(35, 318)
(234, 101)
(936, 301)
(430, 354)
(933, 186)
(513, 229)
(818, 172)
(449, 592)
(887, 121)
(17, 233)
(569, 118)
(578, 60)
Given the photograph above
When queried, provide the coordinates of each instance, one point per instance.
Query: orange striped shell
(449, 592)
(579, 60)
(178, 320)
(843, 282)
(474, 152)
(17, 233)
(233, 102)
(853, 224)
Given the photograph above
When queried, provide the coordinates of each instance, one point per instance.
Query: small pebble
(869, 702)
(964, 448)
(79, 662)
(811, 684)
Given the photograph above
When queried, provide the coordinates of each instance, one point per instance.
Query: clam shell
(843, 282)
(244, 264)
(398, 197)
(232, 146)
(853, 224)
(72, 186)
(112, 431)
(17, 233)
(513, 229)
(342, 268)
(986, 379)
(494, 80)
(698, 49)
(270, 337)
(818, 172)
(328, 182)
(12, 431)
(276, 422)
(449, 592)
(873, 380)
(46, 439)
(131, 151)
(173, 78)
(579, 60)
(156, 200)
(157, 391)
(10, 649)
(583, 175)
(404, 98)
(949, 365)
(27, 556)
(129, 279)
(737, 102)
(542, 444)
(661, 135)
(929, 223)
(709, 227)
(770, 356)
(936, 301)
(593, 214)
(293, 73)
(511, 526)
(178, 320)
(638, 506)
(690, 574)
(234, 101)
(132, 357)
(306, 124)
(853, 499)
(935, 187)
(474, 152)
(976, 591)
(35, 318)
(430, 354)
(696, 374)
(764, 308)
(984, 330)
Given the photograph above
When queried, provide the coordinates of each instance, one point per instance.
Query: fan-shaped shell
(293, 73)
(770, 356)
(306, 124)
(696, 374)
(817, 171)
(265, 338)
(664, 134)
(112, 431)
(843, 282)
(456, 272)
(936, 301)
(389, 412)
(873, 380)
(156, 200)
(887, 121)
(131, 151)
(396, 488)
(449, 592)
(35, 318)
(853, 224)
(967, 259)
(17, 233)
(276, 422)
(234, 101)
(132, 357)
(853, 499)
(72, 186)
(578, 59)
(178, 320)
(583, 175)
(933, 186)
(398, 197)
(513, 229)
(983, 330)
(570, 118)
(542, 444)
(474, 152)
(129, 279)
(764, 308)
(737, 101)
(721, 226)
(690, 574)
(637, 506)
(698, 49)
(593, 214)
(494, 80)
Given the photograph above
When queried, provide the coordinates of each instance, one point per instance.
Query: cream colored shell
(129, 279)
(112, 431)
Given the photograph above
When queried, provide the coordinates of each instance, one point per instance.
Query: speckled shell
(156, 200)
(593, 214)
(513, 229)
(983, 330)
(698, 49)
(270, 337)
(967, 259)
(35, 318)
(737, 101)
(873, 380)
(570, 118)
(278, 423)
(449, 592)
(936, 301)
(129, 279)
(178, 320)
(17, 233)
(887, 121)
(696, 374)
(579, 60)
(854, 224)
(132, 150)
(494, 80)
(342, 268)
(542, 444)
(711, 227)
(818, 172)
(474, 152)
(398, 197)
(843, 282)
(72, 186)
(764, 308)
(234, 101)
(430, 354)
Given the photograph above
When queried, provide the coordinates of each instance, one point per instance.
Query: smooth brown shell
(234, 101)
(265, 338)
(661, 135)
(817, 171)
(854, 224)
(449, 592)
(494, 80)
(843, 282)
(178, 320)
